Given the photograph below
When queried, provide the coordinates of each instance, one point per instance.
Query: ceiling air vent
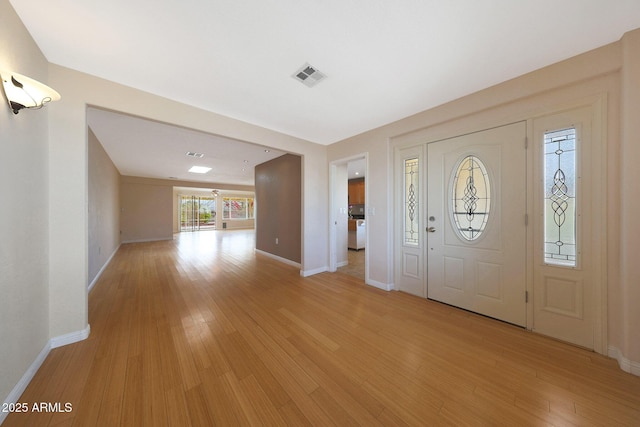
(308, 75)
(194, 154)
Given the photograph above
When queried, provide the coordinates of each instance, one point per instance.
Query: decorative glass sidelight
(411, 225)
(471, 198)
(560, 197)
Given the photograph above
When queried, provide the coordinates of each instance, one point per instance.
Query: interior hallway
(202, 331)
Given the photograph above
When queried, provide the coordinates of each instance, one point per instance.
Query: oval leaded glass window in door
(471, 198)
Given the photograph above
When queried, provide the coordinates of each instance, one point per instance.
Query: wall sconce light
(23, 92)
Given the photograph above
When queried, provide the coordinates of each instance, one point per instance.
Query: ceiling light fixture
(199, 169)
(23, 92)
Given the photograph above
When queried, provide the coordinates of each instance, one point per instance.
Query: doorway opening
(349, 232)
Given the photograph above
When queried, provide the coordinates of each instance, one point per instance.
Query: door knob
(431, 229)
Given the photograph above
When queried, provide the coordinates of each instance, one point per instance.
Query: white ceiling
(384, 60)
(356, 169)
(140, 147)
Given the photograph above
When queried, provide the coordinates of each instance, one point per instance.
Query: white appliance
(356, 234)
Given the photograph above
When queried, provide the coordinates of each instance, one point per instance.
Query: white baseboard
(379, 285)
(95, 279)
(22, 384)
(307, 273)
(279, 258)
(70, 338)
(155, 239)
(54, 342)
(624, 363)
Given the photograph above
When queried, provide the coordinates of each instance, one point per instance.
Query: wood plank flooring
(202, 331)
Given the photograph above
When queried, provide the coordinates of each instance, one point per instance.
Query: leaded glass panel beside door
(409, 246)
(411, 194)
(567, 237)
(560, 197)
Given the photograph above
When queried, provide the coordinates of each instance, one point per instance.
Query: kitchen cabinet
(356, 191)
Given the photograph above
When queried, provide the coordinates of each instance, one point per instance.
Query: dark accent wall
(279, 207)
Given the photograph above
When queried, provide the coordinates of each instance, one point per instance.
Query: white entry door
(475, 222)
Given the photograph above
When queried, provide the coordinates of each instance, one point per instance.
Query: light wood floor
(201, 331)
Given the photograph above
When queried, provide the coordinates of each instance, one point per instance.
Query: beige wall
(580, 80)
(278, 207)
(104, 207)
(625, 306)
(24, 222)
(146, 210)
